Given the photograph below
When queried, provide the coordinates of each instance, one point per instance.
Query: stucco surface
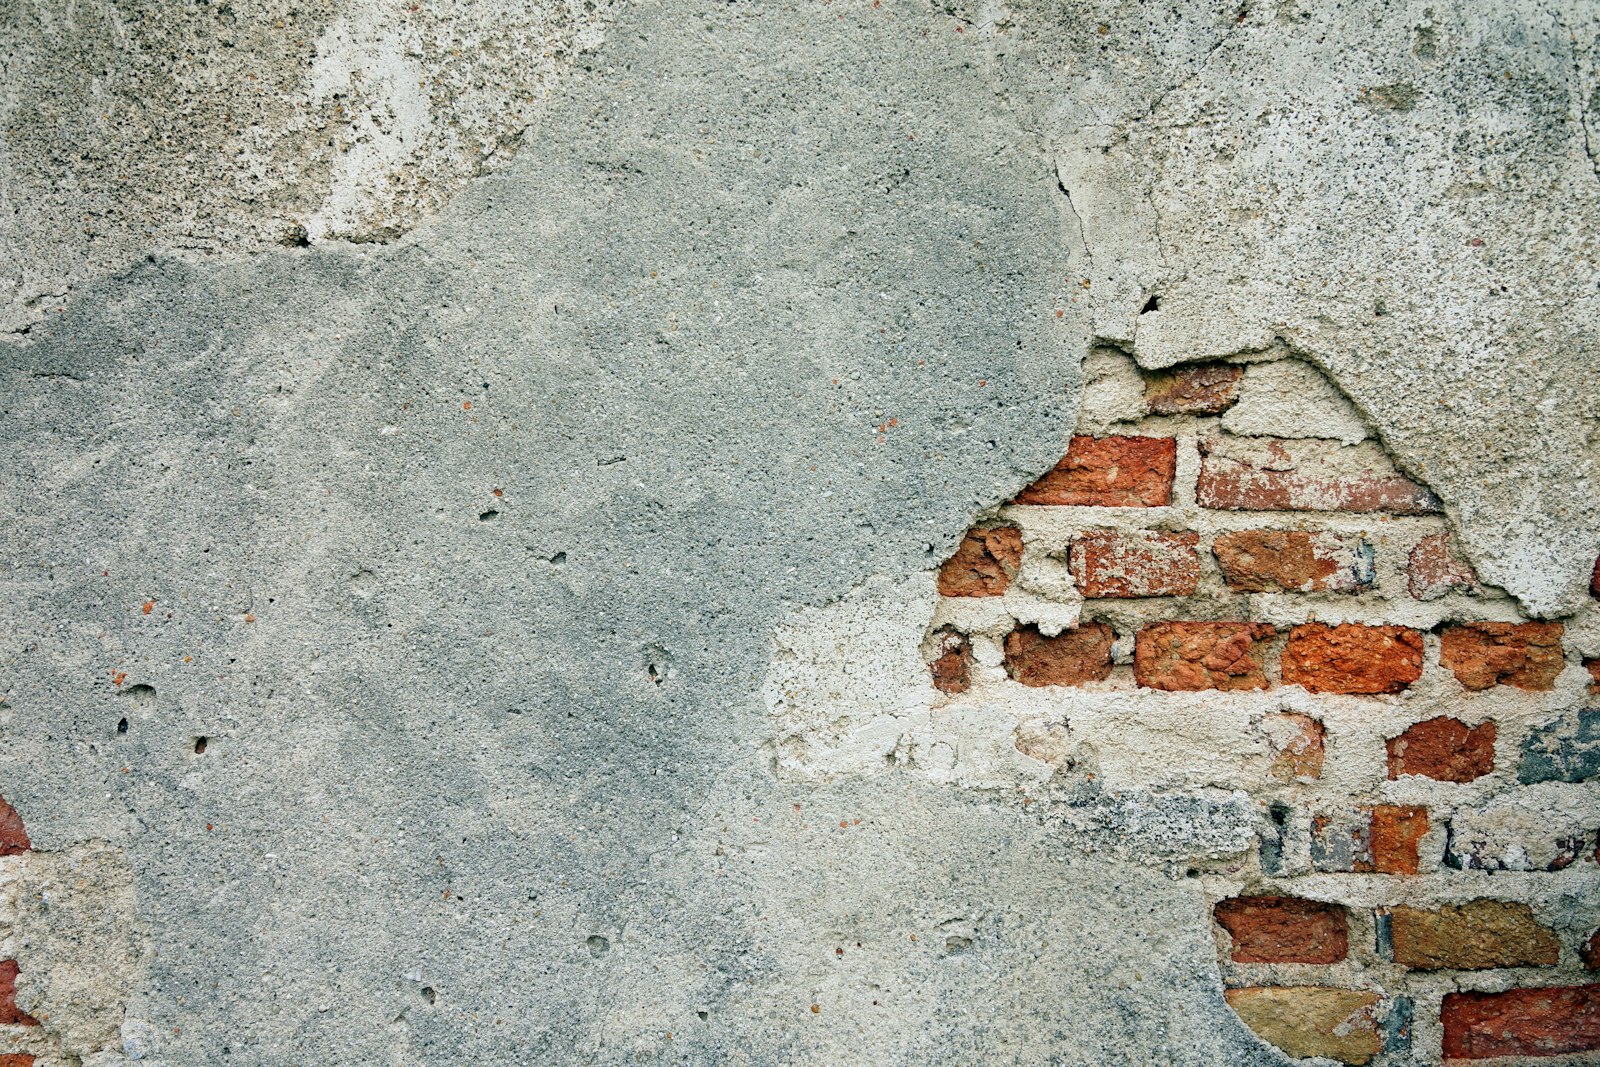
(468, 547)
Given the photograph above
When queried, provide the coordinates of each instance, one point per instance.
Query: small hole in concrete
(598, 946)
(1153, 304)
(199, 746)
(703, 1015)
(428, 994)
(122, 726)
(488, 516)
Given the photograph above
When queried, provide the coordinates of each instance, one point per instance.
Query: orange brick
(984, 564)
(1190, 656)
(1444, 749)
(952, 667)
(1397, 830)
(1483, 654)
(1351, 658)
(1131, 472)
(1072, 657)
(1293, 561)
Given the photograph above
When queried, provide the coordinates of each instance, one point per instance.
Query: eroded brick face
(1590, 953)
(952, 667)
(1522, 1022)
(1293, 561)
(1432, 570)
(1110, 563)
(10, 1014)
(1482, 654)
(1125, 472)
(1187, 656)
(1397, 833)
(1306, 1021)
(1475, 936)
(1277, 929)
(1268, 474)
(984, 564)
(13, 835)
(1445, 749)
(1351, 658)
(1072, 657)
(1195, 389)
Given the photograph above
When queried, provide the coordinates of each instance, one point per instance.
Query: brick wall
(1267, 603)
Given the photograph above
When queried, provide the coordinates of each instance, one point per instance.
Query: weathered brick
(1190, 656)
(1072, 657)
(1270, 474)
(1590, 952)
(1131, 472)
(1521, 1022)
(1472, 937)
(10, 1014)
(1594, 582)
(1284, 930)
(1110, 563)
(952, 667)
(1432, 570)
(1509, 834)
(1340, 1024)
(1352, 658)
(984, 564)
(1294, 561)
(1593, 667)
(1566, 749)
(17, 1059)
(13, 835)
(1482, 654)
(1194, 389)
(1397, 831)
(1444, 749)
(1297, 745)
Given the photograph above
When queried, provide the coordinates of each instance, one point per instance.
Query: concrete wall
(477, 477)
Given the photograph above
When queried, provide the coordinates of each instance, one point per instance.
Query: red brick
(1444, 749)
(1109, 563)
(952, 667)
(1593, 667)
(1482, 654)
(1521, 1022)
(1293, 561)
(1351, 658)
(1129, 472)
(984, 564)
(1475, 936)
(1195, 389)
(1590, 953)
(1190, 656)
(1271, 474)
(1072, 657)
(1285, 930)
(13, 835)
(17, 1059)
(1432, 570)
(1594, 582)
(1397, 830)
(10, 1014)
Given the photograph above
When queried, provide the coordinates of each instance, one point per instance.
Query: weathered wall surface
(403, 566)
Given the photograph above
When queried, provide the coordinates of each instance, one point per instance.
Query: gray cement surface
(466, 549)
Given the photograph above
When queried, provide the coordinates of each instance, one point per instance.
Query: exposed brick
(1351, 658)
(1297, 745)
(1521, 1022)
(1593, 667)
(1189, 656)
(1294, 561)
(984, 564)
(952, 667)
(1566, 749)
(1195, 389)
(1270, 474)
(1130, 472)
(1444, 749)
(1305, 1021)
(1594, 582)
(17, 1059)
(1472, 937)
(1482, 654)
(1397, 831)
(1072, 657)
(1284, 930)
(13, 835)
(1110, 563)
(1590, 952)
(1432, 570)
(10, 1014)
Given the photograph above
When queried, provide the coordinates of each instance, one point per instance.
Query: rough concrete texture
(466, 549)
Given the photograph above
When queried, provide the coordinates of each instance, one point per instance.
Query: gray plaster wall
(770, 301)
